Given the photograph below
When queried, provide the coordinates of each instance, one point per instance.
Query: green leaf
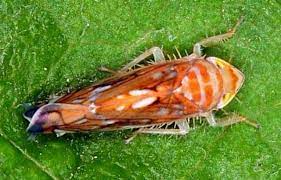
(47, 47)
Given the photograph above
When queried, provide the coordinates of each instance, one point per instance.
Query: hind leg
(183, 129)
(155, 51)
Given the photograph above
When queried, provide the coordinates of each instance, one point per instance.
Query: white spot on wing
(184, 80)
(120, 97)
(139, 92)
(120, 108)
(172, 74)
(60, 132)
(107, 122)
(77, 101)
(178, 90)
(93, 108)
(188, 95)
(81, 121)
(157, 75)
(163, 112)
(98, 90)
(144, 102)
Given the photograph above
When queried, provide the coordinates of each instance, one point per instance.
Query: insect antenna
(238, 100)
(234, 29)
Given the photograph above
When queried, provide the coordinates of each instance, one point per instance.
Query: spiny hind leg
(214, 40)
(183, 129)
(155, 51)
(228, 120)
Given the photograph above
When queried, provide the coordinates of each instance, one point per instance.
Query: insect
(148, 97)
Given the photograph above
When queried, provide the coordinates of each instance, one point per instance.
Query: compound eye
(218, 62)
(29, 113)
(226, 98)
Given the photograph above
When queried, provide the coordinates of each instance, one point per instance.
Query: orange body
(155, 94)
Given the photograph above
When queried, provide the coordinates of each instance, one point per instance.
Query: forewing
(146, 77)
(163, 110)
(114, 120)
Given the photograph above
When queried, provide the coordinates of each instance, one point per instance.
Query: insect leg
(183, 126)
(229, 120)
(183, 129)
(155, 51)
(211, 119)
(213, 40)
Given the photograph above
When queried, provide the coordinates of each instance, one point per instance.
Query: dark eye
(29, 113)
